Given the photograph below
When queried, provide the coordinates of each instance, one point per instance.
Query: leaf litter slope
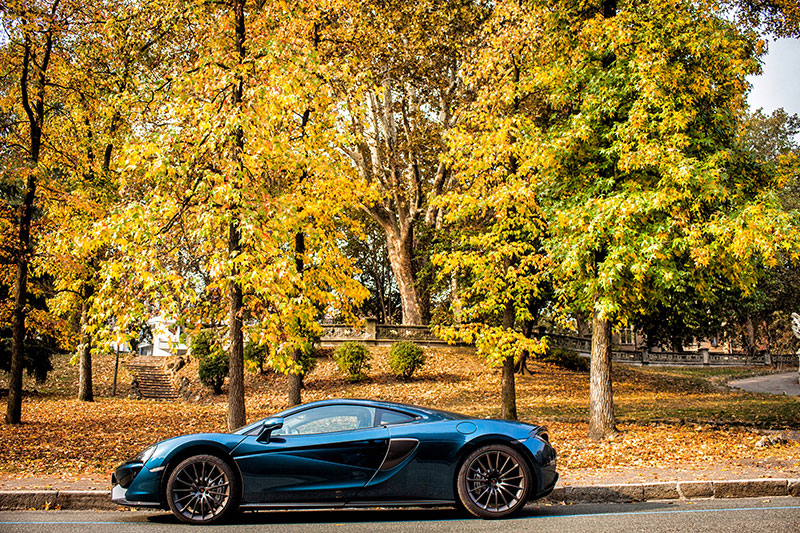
(674, 424)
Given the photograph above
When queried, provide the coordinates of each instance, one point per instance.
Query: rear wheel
(202, 489)
(494, 481)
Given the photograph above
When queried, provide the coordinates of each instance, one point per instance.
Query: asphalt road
(781, 514)
(781, 384)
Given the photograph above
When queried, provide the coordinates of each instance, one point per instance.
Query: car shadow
(334, 516)
(437, 514)
(596, 508)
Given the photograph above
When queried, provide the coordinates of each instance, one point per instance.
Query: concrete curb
(56, 499)
(633, 492)
(674, 490)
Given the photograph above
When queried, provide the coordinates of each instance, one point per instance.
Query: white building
(166, 338)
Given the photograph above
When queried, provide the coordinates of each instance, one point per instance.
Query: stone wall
(373, 334)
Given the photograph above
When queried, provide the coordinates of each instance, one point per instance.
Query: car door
(419, 464)
(324, 454)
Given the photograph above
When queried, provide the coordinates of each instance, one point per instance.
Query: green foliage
(496, 260)
(566, 359)
(38, 354)
(255, 355)
(401, 95)
(213, 369)
(307, 358)
(212, 359)
(353, 359)
(780, 18)
(262, 358)
(631, 158)
(771, 136)
(405, 357)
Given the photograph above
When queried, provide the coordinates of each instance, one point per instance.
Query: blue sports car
(344, 453)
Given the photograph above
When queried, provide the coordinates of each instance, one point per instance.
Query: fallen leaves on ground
(668, 422)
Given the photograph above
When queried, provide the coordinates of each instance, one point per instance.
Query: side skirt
(348, 505)
(402, 503)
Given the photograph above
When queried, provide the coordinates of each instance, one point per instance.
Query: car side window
(388, 417)
(327, 419)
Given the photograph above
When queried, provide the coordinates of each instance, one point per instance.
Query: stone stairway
(154, 383)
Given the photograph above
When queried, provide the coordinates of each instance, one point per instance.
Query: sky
(779, 85)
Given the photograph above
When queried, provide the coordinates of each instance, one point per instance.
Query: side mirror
(269, 425)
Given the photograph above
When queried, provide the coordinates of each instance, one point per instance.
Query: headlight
(146, 454)
(541, 434)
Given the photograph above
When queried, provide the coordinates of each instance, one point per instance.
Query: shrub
(255, 355)
(308, 359)
(37, 356)
(566, 359)
(405, 358)
(212, 360)
(353, 359)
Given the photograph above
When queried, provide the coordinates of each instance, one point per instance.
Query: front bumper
(544, 463)
(118, 496)
(547, 489)
(136, 486)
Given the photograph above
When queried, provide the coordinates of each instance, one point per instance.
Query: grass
(672, 419)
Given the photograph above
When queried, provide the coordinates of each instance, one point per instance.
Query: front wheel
(202, 489)
(494, 481)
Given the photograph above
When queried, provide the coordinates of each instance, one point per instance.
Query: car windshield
(254, 427)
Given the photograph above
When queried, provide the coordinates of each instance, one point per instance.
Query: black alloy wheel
(202, 489)
(494, 481)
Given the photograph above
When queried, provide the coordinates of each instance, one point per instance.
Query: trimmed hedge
(212, 360)
(566, 359)
(353, 359)
(405, 358)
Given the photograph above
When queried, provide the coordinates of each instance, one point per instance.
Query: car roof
(422, 411)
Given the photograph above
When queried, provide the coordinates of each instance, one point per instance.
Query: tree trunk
(116, 373)
(400, 247)
(85, 389)
(296, 379)
(423, 277)
(750, 339)
(508, 386)
(35, 114)
(381, 313)
(521, 366)
(236, 411)
(601, 399)
(295, 385)
(676, 344)
(14, 405)
(601, 402)
(509, 410)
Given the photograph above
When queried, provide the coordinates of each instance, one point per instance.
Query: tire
(494, 481)
(202, 489)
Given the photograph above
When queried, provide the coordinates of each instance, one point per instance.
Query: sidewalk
(44, 493)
